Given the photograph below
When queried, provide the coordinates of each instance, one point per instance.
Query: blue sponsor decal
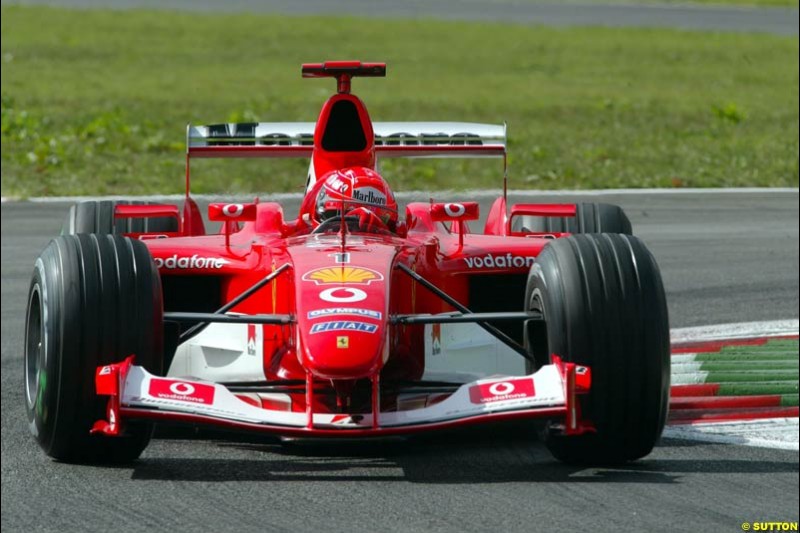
(344, 325)
(365, 313)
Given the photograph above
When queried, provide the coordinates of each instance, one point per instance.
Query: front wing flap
(134, 393)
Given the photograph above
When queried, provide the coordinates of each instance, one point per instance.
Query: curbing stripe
(734, 389)
(764, 387)
(735, 373)
(744, 376)
(692, 416)
(790, 400)
(733, 402)
(780, 433)
(698, 378)
(736, 356)
(699, 389)
(734, 366)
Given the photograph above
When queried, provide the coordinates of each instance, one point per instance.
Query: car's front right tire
(603, 305)
(590, 217)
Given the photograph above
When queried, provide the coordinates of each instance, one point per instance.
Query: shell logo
(342, 275)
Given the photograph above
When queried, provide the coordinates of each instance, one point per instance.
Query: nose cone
(344, 345)
(342, 310)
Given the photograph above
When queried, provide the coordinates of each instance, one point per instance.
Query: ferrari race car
(350, 321)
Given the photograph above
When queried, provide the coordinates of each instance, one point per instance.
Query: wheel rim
(34, 348)
(538, 339)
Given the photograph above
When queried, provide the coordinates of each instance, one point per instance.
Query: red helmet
(355, 188)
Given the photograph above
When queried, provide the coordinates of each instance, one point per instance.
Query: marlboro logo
(369, 195)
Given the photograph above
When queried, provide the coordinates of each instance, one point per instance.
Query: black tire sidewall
(624, 339)
(101, 301)
(590, 217)
(97, 216)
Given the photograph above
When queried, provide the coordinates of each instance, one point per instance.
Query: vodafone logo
(450, 211)
(454, 210)
(169, 389)
(232, 210)
(499, 261)
(343, 295)
(176, 262)
(228, 212)
(500, 391)
(182, 389)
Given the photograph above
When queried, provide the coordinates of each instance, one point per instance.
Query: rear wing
(392, 139)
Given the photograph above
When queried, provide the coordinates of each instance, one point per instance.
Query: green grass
(743, 3)
(95, 102)
(723, 3)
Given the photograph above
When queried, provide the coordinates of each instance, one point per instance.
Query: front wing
(134, 393)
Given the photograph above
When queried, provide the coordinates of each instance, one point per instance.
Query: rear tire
(589, 218)
(604, 307)
(93, 300)
(98, 217)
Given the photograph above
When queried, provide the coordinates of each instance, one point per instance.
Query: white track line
(741, 330)
(776, 433)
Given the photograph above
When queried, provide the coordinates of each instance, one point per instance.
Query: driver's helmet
(355, 188)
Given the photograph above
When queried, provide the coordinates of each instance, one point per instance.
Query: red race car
(353, 320)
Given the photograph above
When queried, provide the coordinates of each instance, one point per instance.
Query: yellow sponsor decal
(342, 275)
(343, 341)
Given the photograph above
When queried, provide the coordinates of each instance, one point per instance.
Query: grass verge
(685, 3)
(95, 102)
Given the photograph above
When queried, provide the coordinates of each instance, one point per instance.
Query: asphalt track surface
(725, 258)
(783, 21)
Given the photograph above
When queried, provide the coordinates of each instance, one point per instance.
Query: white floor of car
(467, 351)
(222, 352)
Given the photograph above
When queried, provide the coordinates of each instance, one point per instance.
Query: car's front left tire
(93, 300)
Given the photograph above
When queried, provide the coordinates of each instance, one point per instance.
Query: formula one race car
(349, 321)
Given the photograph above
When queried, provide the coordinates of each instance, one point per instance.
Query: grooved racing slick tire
(93, 300)
(604, 307)
(98, 217)
(589, 218)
